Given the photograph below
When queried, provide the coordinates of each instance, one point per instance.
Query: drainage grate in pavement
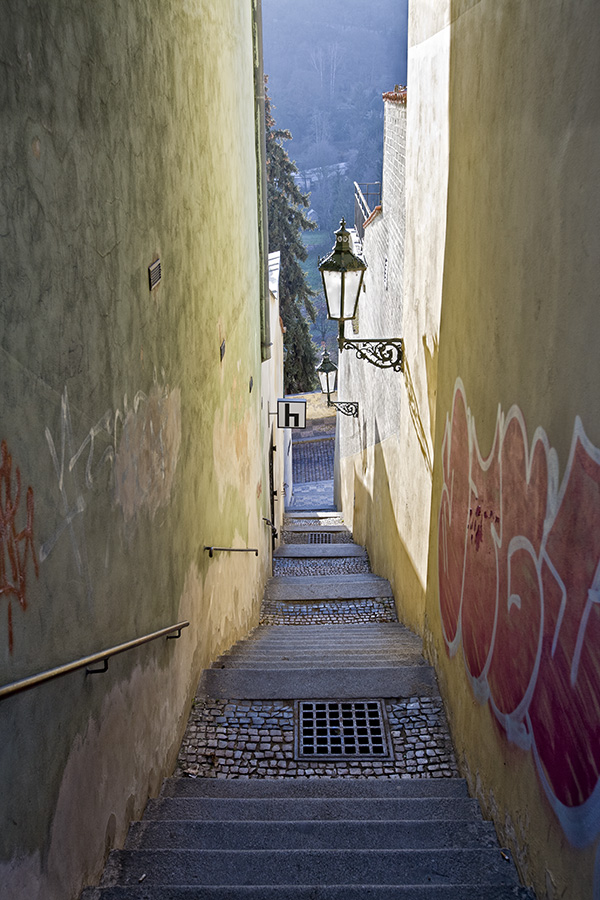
(319, 537)
(335, 729)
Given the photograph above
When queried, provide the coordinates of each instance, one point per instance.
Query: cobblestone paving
(301, 537)
(338, 612)
(312, 495)
(313, 521)
(255, 739)
(312, 460)
(350, 565)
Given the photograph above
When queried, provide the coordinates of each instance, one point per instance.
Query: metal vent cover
(154, 274)
(319, 537)
(341, 729)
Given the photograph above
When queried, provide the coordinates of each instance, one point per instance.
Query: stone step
(321, 527)
(371, 634)
(281, 809)
(312, 514)
(321, 788)
(283, 867)
(326, 587)
(390, 835)
(310, 659)
(349, 631)
(268, 648)
(319, 551)
(233, 683)
(295, 638)
(311, 892)
(307, 665)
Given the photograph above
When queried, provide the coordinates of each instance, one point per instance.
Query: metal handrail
(103, 656)
(211, 550)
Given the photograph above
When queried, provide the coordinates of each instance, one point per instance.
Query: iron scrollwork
(385, 354)
(347, 408)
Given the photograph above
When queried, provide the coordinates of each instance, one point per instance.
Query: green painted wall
(128, 134)
(512, 615)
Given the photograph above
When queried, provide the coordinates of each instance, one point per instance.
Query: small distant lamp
(327, 372)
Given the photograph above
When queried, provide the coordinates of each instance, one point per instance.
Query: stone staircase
(263, 820)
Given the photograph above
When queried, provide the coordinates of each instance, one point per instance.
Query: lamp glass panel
(331, 378)
(327, 381)
(352, 287)
(332, 282)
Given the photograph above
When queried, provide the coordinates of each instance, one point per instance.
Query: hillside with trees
(286, 206)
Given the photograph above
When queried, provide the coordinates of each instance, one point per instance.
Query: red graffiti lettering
(15, 546)
(519, 587)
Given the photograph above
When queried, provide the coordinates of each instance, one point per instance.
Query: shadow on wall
(431, 368)
(415, 415)
(374, 515)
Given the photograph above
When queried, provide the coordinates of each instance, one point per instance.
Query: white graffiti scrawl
(138, 443)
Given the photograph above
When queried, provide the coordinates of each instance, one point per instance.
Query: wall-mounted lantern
(342, 273)
(327, 372)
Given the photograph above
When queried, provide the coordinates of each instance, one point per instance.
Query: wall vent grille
(319, 537)
(154, 274)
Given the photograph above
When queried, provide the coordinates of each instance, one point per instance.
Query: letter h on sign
(291, 413)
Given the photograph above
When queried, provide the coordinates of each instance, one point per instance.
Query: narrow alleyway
(317, 761)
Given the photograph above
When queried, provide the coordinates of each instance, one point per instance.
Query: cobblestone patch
(313, 521)
(337, 612)
(312, 460)
(343, 566)
(301, 537)
(311, 495)
(255, 739)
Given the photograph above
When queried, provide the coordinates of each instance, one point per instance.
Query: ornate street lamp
(342, 273)
(327, 372)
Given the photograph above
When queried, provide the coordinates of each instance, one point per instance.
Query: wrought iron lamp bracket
(347, 408)
(385, 353)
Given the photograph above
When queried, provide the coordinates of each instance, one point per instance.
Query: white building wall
(385, 457)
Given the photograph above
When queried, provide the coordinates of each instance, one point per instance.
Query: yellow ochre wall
(129, 442)
(512, 616)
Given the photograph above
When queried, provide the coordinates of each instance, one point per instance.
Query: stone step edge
(321, 529)
(207, 867)
(384, 683)
(308, 892)
(322, 788)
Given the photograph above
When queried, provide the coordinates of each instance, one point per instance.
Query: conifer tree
(287, 220)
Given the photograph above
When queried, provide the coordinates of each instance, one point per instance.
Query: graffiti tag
(16, 546)
(519, 589)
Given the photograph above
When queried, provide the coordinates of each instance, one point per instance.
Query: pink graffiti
(519, 588)
(14, 545)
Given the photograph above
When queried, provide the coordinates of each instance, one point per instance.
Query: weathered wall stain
(147, 456)
(15, 545)
(519, 588)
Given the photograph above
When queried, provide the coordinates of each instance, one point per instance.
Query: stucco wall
(386, 457)
(512, 605)
(128, 133)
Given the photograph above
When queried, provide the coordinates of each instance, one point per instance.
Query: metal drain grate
(319, 537)
(336, 729)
